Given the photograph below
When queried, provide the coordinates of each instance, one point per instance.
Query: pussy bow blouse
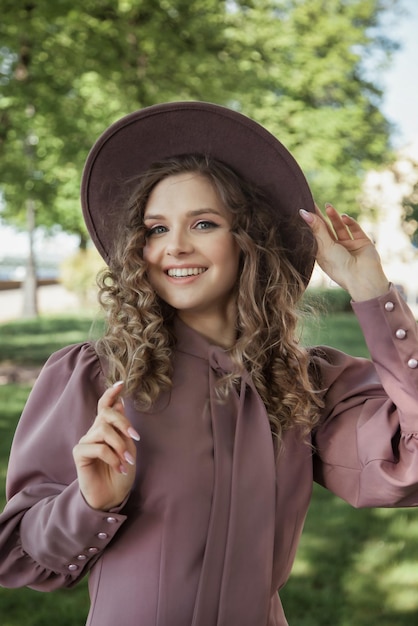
(209, 532)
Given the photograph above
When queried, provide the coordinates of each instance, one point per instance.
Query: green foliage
(78, 274)
(327, 300)
(354, 567)
(66, 607)
(314, 91)
(31, 342)
(410, 206)
(340, 330)
(70, 68)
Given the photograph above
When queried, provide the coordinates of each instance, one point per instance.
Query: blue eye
(206, 225)
(155, 230)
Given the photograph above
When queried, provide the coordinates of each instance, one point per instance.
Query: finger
(355, 229)
(341, 231)
(104, 432)
(320, 228)
(111, 395)
(111, 407)
(85, 454)
(117, 420)
(105, 436)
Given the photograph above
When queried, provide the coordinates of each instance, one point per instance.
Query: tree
(301, 67)
(76, 67)
(314, 61)
(410, 202)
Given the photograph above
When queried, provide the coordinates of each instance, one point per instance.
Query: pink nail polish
(133, 434)
(129, 458)
(306, 215)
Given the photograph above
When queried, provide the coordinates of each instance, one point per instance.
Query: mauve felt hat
(130, 145)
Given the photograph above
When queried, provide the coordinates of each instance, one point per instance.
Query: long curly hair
(138, 341)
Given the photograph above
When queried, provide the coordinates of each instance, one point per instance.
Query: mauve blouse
(209, 532)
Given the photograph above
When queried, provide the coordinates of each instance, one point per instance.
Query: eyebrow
(194, 213)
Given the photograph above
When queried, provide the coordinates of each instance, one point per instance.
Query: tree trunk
(30, 283)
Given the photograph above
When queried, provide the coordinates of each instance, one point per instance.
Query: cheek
(232, 255)
(146, 253)
(150, 255)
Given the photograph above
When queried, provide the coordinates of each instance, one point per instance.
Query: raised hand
(105, 457)
(347, 254)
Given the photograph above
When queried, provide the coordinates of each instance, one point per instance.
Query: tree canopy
(306, 69)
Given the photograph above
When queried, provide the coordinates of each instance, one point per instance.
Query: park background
(335, 81)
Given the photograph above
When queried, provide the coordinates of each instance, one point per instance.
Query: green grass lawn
(30, 342)
(353, 568)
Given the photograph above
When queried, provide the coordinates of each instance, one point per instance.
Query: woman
(174, 458)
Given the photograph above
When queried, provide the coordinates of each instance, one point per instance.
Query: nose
(179, 242)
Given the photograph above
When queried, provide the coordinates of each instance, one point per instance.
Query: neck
(219, 330)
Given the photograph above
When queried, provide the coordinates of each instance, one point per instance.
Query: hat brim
(132, 144)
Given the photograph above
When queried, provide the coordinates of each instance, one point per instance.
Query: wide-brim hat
(132, 144)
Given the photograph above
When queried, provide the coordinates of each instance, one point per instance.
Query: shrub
(327, 300)
(78, 274)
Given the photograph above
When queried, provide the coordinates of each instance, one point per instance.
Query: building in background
(383, 219)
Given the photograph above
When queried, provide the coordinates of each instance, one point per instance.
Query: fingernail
(133, 434)
(122, 470)
(118, 383)
(306, 215)
(129, 458)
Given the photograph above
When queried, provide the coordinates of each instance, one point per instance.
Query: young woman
(173, 459)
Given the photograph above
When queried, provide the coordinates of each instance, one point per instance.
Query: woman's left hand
(347, 254)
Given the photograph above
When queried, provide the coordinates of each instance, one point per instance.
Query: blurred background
(335, 81)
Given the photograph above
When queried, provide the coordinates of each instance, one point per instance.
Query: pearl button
(81, 557)
(111, 520)
(93, 550)
(400, 333)
(389, 306)
(102, 535)
(412, 363)
(73, 567)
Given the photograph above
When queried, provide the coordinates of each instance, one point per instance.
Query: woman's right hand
(105, 456)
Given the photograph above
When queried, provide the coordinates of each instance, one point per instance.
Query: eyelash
(153, 229)
(211, 224)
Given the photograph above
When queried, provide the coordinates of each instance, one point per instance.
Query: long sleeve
(367, 443)
(49, 536)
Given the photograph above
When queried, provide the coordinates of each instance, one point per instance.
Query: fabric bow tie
(236, 577)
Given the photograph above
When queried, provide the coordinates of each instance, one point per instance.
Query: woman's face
(191, 254)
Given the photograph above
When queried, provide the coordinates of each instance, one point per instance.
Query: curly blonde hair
(139, 340)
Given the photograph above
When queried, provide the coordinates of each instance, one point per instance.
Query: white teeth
(185, 271)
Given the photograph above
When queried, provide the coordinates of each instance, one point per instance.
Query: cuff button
(102, 535)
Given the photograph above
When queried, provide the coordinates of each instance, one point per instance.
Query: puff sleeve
(367, 442)
(49, 536)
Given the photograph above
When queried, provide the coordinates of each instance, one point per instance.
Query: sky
(400, 80)
(400, 105)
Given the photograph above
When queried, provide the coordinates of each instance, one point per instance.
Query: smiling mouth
(182, 272)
